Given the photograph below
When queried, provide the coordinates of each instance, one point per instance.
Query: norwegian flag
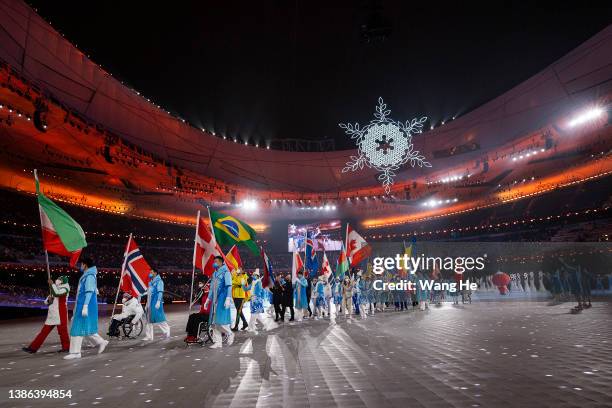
(357, 249)
(135, 271)
(268, 275)
(205, 248)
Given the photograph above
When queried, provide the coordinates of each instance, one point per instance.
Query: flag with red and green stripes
(61, 234)
(342, 266)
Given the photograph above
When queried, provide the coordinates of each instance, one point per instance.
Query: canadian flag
(205, 248)
(296, 265)
(357, 249)
(326, 269)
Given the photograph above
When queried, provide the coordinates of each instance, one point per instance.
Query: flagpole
(121, 275)
(195, 243)
(41, 223)
(305, 258)
(261, 253)
(346, 248)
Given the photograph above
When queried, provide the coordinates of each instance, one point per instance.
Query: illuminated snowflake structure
(385, 145)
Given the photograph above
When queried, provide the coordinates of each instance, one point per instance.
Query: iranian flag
(61, 234)
(356, 247)
(342, 266)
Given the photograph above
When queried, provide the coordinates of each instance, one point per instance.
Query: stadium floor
(488, 354)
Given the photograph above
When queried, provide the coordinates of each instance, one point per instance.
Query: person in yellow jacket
(239, 285)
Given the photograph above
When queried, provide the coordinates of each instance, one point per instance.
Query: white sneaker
(167, 336)
(72, 356)
(230, 339)
(215, 346)
(148, 338)
(102, 347)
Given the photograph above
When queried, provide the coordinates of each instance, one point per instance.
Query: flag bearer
(85, 317)
(57, 316)
(155, 307)
(220, 297)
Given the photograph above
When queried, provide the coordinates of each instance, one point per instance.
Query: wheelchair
(205, 335)
(127, 328)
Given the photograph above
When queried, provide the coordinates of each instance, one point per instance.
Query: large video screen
(326, 235)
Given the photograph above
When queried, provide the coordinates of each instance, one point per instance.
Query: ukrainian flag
(229, 230)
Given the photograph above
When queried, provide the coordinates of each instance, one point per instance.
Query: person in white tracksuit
(131, 307)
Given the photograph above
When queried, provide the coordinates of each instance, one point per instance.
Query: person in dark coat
(288, 297)
(277, 299)
(308, 292)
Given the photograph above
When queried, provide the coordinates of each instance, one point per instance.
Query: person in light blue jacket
(85, 316)
(258, 294)
(155, 307)
(299, 294)
(220, 300)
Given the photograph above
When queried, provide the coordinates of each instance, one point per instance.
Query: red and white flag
(296, 265)
(357, 249)
(326, 269)
(135, 271)
(268, 275)
(205, 248)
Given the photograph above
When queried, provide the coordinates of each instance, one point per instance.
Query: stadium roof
(39, 53)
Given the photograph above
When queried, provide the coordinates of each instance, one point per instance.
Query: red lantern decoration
(501, 280)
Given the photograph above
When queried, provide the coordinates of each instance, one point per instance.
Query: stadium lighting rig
(435, 203)
(586, 116)
(249, 205)
(526, 155)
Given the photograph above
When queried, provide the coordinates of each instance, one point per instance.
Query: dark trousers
(113, 330)
(290, 306)
(194, 322)
(279, 311)
(238, 302)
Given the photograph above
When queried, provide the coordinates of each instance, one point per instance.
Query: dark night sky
(287, 69)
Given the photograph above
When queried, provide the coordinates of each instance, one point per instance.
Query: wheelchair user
(131, 308)
(193, 323)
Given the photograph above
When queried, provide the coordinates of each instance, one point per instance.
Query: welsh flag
(357, 248)
(61, 234)
(343, 264)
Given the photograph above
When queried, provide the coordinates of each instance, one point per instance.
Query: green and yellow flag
(230, 230)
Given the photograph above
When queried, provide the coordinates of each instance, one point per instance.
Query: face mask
(201, 285)
(215, 266)
(150, 276)
(58, 282)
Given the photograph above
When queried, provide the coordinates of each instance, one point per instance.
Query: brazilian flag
(230, 230)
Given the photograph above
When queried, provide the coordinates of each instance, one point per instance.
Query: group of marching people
(305, 297)
(84, 323)
(568, 280)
